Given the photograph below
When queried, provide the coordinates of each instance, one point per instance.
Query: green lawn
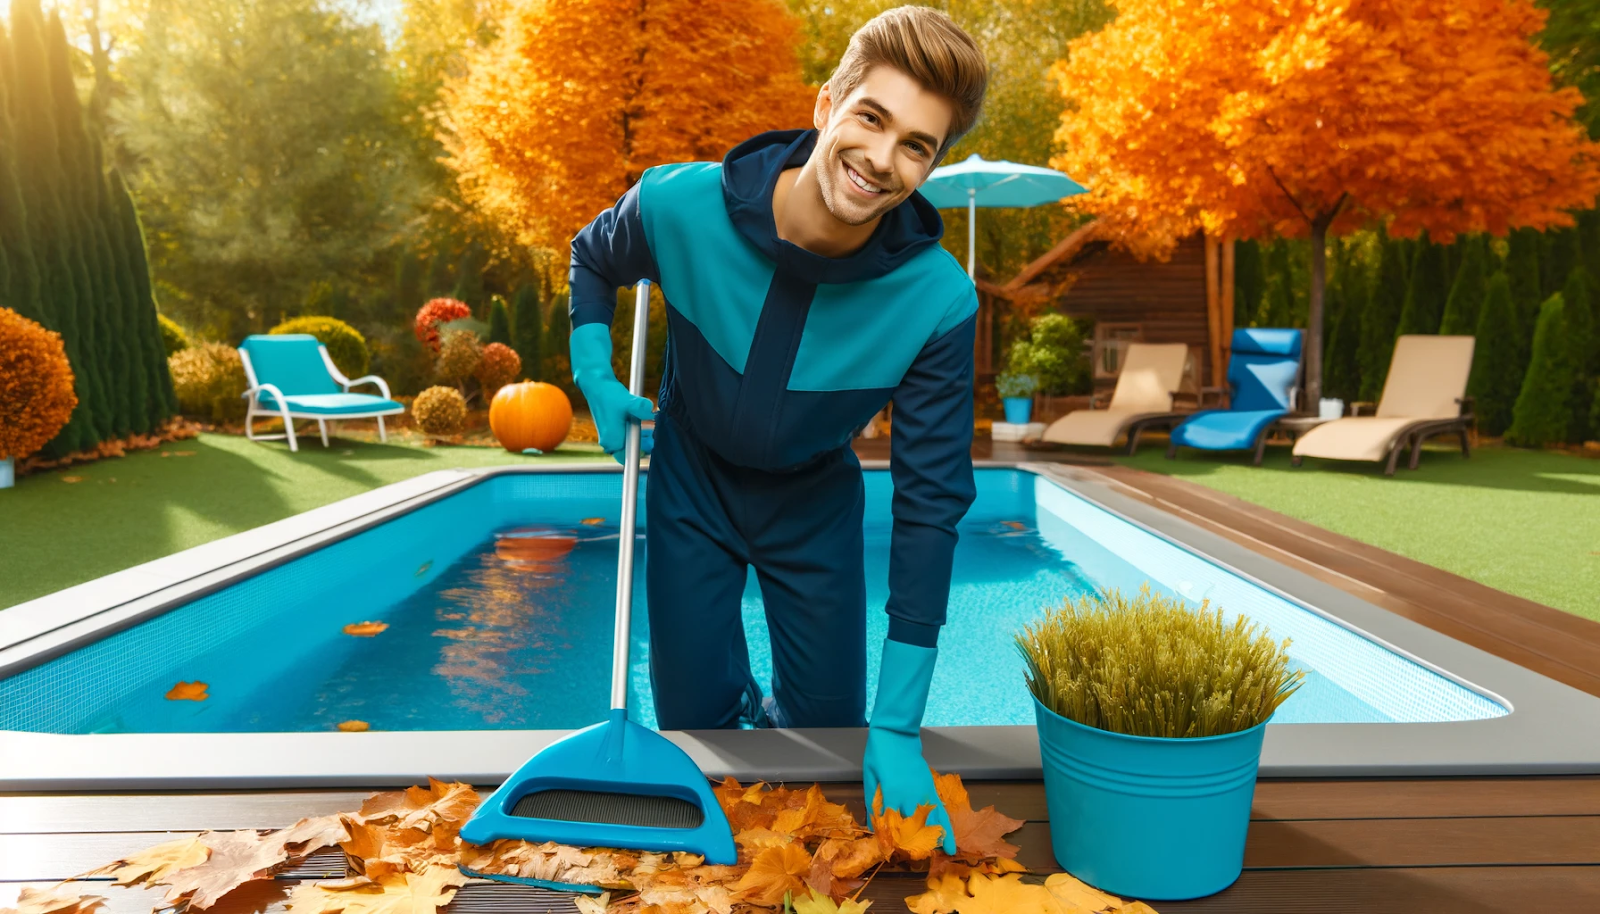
(1526, 522)
(55, 533)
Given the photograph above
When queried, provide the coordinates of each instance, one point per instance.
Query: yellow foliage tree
(1304, 117)
(563, 113)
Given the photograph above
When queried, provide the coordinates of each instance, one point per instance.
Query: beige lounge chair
(1151, 375)
(1424, 395)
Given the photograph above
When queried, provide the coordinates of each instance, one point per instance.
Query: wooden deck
(1454, 846)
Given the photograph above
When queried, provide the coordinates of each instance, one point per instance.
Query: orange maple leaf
(353, 726)
(946, 893)
(978, 834)
(188, 691)
(155, 862)
(774, 873)
(57, 899)
(906, 838)
(365, 629)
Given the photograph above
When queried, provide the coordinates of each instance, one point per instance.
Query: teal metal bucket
(1151, 818)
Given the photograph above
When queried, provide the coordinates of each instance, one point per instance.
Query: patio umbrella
(980, 182)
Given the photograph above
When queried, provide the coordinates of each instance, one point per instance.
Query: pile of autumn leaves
(797, 851)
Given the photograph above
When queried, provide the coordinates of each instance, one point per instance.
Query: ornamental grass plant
(1148, 665)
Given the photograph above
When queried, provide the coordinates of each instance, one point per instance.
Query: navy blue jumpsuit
(776, 358)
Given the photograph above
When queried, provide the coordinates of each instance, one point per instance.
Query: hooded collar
(750, 174)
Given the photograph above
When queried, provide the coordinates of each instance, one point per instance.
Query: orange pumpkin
(532, 414)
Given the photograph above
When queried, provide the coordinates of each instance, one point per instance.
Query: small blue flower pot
(8, 472)
(1018, 409)
(1151, 818)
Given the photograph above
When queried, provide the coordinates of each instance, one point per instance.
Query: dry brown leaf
(594, 521)
(236, 857)
(400, 893)
(774, 873)
(945, 894)
(70, 479)
(421, 807)
(156, 862)
(183, 453)
(549, 861)
(353, 726)
(978, 834)
(188, 691)
(815, 817)
(1010, 895)
(57, 899)
(365, 629)
(1077, 896)
(587, 905)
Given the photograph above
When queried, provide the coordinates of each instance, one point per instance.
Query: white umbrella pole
(972, 233)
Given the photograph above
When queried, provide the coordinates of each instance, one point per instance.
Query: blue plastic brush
(615, 784)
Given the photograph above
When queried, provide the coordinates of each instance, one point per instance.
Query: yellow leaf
(587, 905)
(353, 726)
(774, 873)
(156, 862)
(401, 893)
(809, 902)
(188, 691)
(1010, 895)
(978, 833)
(912, 838)
(365, 629)
(58, 899)
(945, 894)
(1080, 897)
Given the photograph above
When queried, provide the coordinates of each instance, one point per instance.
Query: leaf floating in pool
(424, 568)
(188, 691)
(72, 479)
(353, 726)
(1014, 525)
(365, 629)
(594, 521)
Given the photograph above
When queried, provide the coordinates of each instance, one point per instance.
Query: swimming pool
(494, 591)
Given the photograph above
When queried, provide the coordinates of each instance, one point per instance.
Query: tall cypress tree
(1249, 282)
(1496, 365)
(1522, 269)
(72, 142)
(528, 329)
(1589, 241)
(557, 368)
(469, 278)
(39, 171)
(1426, 289)
(1466, 293)
(1277, 307)
(135, 348)
(1542, 410)
(1578, 296)
(1558, 254)
(21, 289)
(1341, 365)
(163, 401)
(439, 281)
(499, 322)
(1381, 318)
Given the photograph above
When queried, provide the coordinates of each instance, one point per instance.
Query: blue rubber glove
(609, 401)
(893, 760)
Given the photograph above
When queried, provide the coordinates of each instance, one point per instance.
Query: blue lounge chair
(292, 377)
(1262, 375)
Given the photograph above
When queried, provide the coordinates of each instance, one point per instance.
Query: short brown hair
(927, 46)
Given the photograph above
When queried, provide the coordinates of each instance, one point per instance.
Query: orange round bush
(498, 367)
(435, 312)
(36, 395)
(532, 414)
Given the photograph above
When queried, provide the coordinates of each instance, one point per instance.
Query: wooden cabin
(1176, 301)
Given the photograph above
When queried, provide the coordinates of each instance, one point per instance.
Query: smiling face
(884, 135)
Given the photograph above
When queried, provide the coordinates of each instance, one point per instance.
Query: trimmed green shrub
(1558, 255)
(173, 339)
(1522, 269)
(1425, 291)
(1015, 385)
(209, 380)
(1496, 365)
(1341, 364)
(499, 322)
(1052, 354)
(1466, 293)
(1542, 410)
(527, 331)
(1381, 318)
(346, 346)
(557, 357)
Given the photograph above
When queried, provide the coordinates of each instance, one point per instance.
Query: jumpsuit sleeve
(930, 463)
(609, 253)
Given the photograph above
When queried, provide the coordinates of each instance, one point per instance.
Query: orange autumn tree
(1254, 118)
(555, 120)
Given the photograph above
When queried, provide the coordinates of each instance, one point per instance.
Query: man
(805, 289)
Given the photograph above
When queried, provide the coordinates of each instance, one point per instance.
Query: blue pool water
(484, 633)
